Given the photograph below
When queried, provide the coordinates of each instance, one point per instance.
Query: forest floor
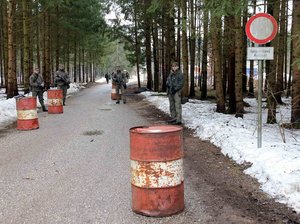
(229, 195)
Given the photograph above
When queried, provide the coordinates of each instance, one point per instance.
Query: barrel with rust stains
(114, 94)
(157, 185)
(27, 118)
(55, 101)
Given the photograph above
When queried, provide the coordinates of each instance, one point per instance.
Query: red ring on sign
(269, 38)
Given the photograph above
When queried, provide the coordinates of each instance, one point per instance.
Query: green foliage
(156, 6)
(116, 56)
(297, 63)
(296, 38)
(225, 7)
(83, 21)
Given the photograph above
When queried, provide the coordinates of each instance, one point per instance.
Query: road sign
(260, 53)
(261, 28)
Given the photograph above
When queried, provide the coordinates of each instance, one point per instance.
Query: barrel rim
(155, 129)
(54, 90)
(26, 98)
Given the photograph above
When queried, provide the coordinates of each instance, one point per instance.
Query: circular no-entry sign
(261, 28)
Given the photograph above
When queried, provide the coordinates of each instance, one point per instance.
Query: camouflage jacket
(119, 78)
(61, 78)
(175, 82)
(36, 82)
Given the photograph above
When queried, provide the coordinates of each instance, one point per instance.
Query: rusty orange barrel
(27, 118)
(156, 154)
(114, 95)
(55, 101)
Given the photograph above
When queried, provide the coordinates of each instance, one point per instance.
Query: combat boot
(44, 108)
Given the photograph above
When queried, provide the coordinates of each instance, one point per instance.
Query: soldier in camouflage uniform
(36, 82)
(62, 81)
(119, 79)
(175, 83)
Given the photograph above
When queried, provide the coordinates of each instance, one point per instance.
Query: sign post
(261, 28)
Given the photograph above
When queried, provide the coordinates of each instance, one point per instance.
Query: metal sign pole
(259, 104)
(261, 28)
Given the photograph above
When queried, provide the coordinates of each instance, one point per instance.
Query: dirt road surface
(76, 169)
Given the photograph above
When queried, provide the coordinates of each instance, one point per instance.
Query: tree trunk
(204, 55)
(192, 49)
(229, 53)
(68, 55)
(281, 54)
(26, 59)
(2, 40)
(295, 112)
(83, 65)
(12, 89)
(5, 44)
(168, 45)
(155, 56)
(1, 46)
(137, 44)
(38, 41)
(79, 65)
(215, 35)
(239, 65)
(162, 56)
(271, 74)
(178, 43)
(147, 28)
(47, 59)
(173, 55)
(185, 59)
(75, 59)
(244, 47)
(57, 50)
(91, 67)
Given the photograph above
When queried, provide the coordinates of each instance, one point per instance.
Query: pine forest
(207, 38)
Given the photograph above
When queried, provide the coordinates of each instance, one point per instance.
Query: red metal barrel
(156, 154)
(55, 101)
(26, 113)
(114, 95)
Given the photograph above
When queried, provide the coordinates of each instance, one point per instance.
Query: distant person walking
(62, 81)
(36, 82)
(175, 83)
(119, 79)
(107, 77)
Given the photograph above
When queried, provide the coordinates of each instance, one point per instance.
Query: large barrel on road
(114, 94)
(156, 154)
(55, 101)
(27, 118)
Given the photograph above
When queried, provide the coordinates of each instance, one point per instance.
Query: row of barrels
(27, 117)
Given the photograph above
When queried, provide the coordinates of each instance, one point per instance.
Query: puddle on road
(94, 132)
(105, 109)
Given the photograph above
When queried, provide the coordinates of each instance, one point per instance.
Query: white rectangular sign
(260, 53)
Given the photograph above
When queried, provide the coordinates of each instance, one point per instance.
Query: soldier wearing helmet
(62, 81)
(119, 79)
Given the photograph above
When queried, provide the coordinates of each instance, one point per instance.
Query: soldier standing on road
(119, 79)
(36, 82)
(175, 83)
(62, 81)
